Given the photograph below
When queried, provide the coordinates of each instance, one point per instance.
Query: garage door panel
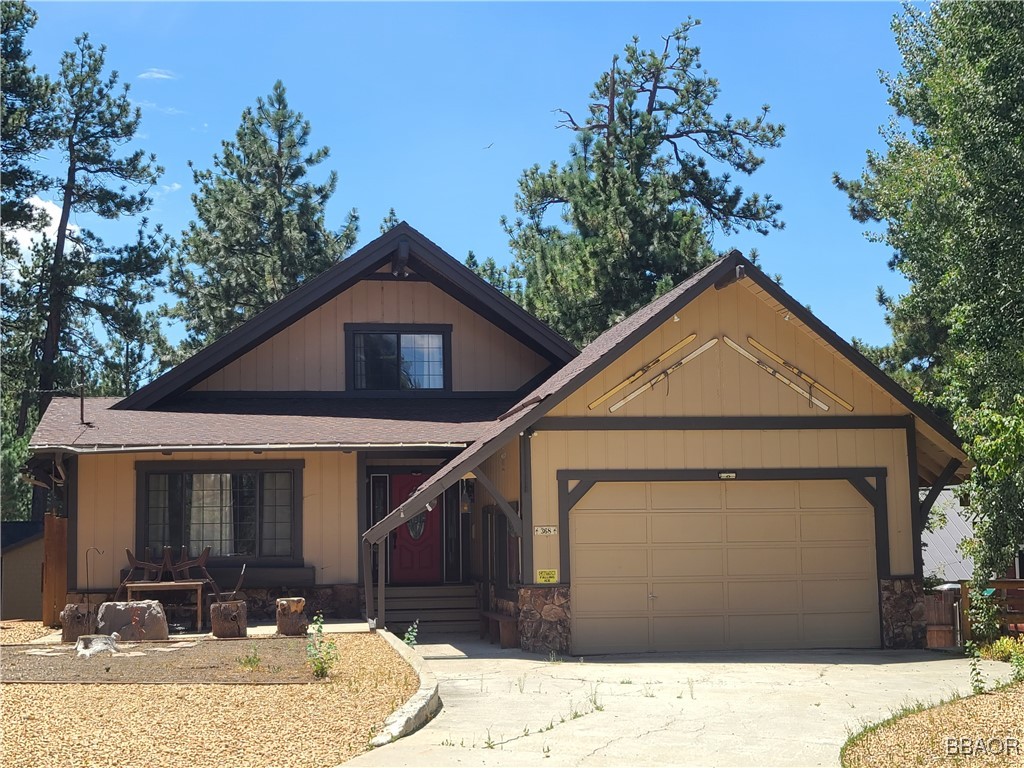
(764, 631)
(686, 527)
(836, 494)
(760, 526)
(758, 561)
(611, 598)
(764, 596)
(610, 635)
(615, 496)
(836, 560)
(626, 562)
(839, 595)
(679, 561)
(846, 630)
(760, 495)
(610, 528)
(694, 597)
(673, 633)
(686, 496)
(730, 565)
(841, 526)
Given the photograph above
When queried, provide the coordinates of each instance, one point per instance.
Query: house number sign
(545, 530)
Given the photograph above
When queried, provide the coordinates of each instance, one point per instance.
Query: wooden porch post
(380, 584)
(368, 578)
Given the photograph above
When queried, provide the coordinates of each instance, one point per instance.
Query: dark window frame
(441, 329)
(143, 469)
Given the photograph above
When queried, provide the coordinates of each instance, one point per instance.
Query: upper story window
(398, 358)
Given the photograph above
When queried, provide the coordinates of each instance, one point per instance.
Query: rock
(228, 619)
(544, 619)
(903, 613)
(290, 618)
(77, 619)
(88, 645)
(134, 621)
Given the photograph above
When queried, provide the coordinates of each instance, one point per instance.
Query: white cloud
(144, 104)
(166, 189)
(153, 73)
(26, 237)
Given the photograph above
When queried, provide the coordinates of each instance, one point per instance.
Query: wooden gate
(55, 568)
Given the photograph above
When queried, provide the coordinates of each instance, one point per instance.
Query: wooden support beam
(514, 520)
(368, 578)
(941, 482)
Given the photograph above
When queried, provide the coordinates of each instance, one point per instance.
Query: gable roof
(618, 339)
(425, 258)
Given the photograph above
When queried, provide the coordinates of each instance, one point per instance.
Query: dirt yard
(18, 631)
(206, 703)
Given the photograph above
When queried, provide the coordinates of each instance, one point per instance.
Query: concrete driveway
(784, 708)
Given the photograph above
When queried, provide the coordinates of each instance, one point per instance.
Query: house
(21, 559)
(718, 470)
(943, 556)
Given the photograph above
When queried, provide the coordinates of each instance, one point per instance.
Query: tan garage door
(707, 565)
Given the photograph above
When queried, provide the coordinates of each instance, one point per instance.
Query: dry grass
(916, 736)
(202, 725)
(17, 631)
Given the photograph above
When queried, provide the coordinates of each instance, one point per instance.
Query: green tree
(647, 181)
(498, 276)
(949, 189)
(26, 122)
(389, 222)
(261, 229)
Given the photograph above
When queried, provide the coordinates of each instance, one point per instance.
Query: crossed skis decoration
(808, 395)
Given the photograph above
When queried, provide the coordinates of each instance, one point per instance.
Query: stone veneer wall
(903, 620)
(544, 614)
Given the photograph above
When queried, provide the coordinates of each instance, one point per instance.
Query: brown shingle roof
(269, 422)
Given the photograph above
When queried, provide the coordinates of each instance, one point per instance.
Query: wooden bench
(499, 627)
(134, 587)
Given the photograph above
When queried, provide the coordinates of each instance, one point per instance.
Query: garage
(665, 566)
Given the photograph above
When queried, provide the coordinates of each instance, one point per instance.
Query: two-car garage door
(726, 564)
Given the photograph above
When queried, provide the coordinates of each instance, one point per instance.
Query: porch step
(439, 609)
(429, 603)
(443, 590)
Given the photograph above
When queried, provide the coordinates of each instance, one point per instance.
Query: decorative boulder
(76, 619)
(290, 618)
(89, 645)
(134, 621)
(228, 619)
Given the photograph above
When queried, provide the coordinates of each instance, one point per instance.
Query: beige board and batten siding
(695, 565)
(309, 355)
(502, 468)
(107, 509)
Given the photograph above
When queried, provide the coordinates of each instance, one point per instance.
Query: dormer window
(398, 358)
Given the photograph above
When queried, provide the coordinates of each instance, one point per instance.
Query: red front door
(415, 545)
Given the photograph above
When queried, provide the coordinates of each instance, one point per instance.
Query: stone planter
(228, 619)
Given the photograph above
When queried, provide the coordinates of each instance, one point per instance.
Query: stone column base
(902, 606)
(544, 615)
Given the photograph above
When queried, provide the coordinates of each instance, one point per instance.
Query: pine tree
(638, 198)
(261, 228)
(26, 122)
(390, 222)
(497, 276)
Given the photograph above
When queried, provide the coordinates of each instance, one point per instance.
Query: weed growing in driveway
(625, 681)
(689, 682)
(489, 743)
(554, 658)
(521, 682)
(595, 702)
(977, 678)
(648, 691)
(322, 654)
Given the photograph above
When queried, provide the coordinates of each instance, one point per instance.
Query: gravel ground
(204, 725)
(18, 631)
(996, 719)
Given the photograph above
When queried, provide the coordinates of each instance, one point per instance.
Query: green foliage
(977, 678)
(640, 194)
(390, 222)
(251, 661)
(984, 617)
(1002, 648)
(500, 277)
(948, 189)
(322, 654)
(409, 638)
(261, 229)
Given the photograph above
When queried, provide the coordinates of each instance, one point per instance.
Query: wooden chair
(181, 571)
(150, 571)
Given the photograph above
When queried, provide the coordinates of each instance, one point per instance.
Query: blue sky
(407, 96)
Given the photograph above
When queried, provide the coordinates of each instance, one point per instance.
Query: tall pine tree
(261, 229)
(641, 191)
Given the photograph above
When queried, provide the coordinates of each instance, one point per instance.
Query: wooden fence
(55, 568)
(1008, 595)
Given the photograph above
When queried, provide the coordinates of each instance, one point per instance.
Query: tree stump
(228, 619)
(77, 619)
(290, 618)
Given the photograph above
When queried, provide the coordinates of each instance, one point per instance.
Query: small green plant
(410, 634)
(554, 657)
(489, 743)
(625, 681)
(322, 654)
(521, 682)
(595, 702)
(1002, 649)
(984, 616)
(251, 661)
(648, 691)
(547, 751)
(977, 679)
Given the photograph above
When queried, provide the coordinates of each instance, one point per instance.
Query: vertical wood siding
(106, 511)
(309, 355)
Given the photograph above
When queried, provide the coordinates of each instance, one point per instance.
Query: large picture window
(245, 510)
(400, 358)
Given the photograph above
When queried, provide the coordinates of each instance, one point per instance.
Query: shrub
(1002, 649)
(322, 654)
